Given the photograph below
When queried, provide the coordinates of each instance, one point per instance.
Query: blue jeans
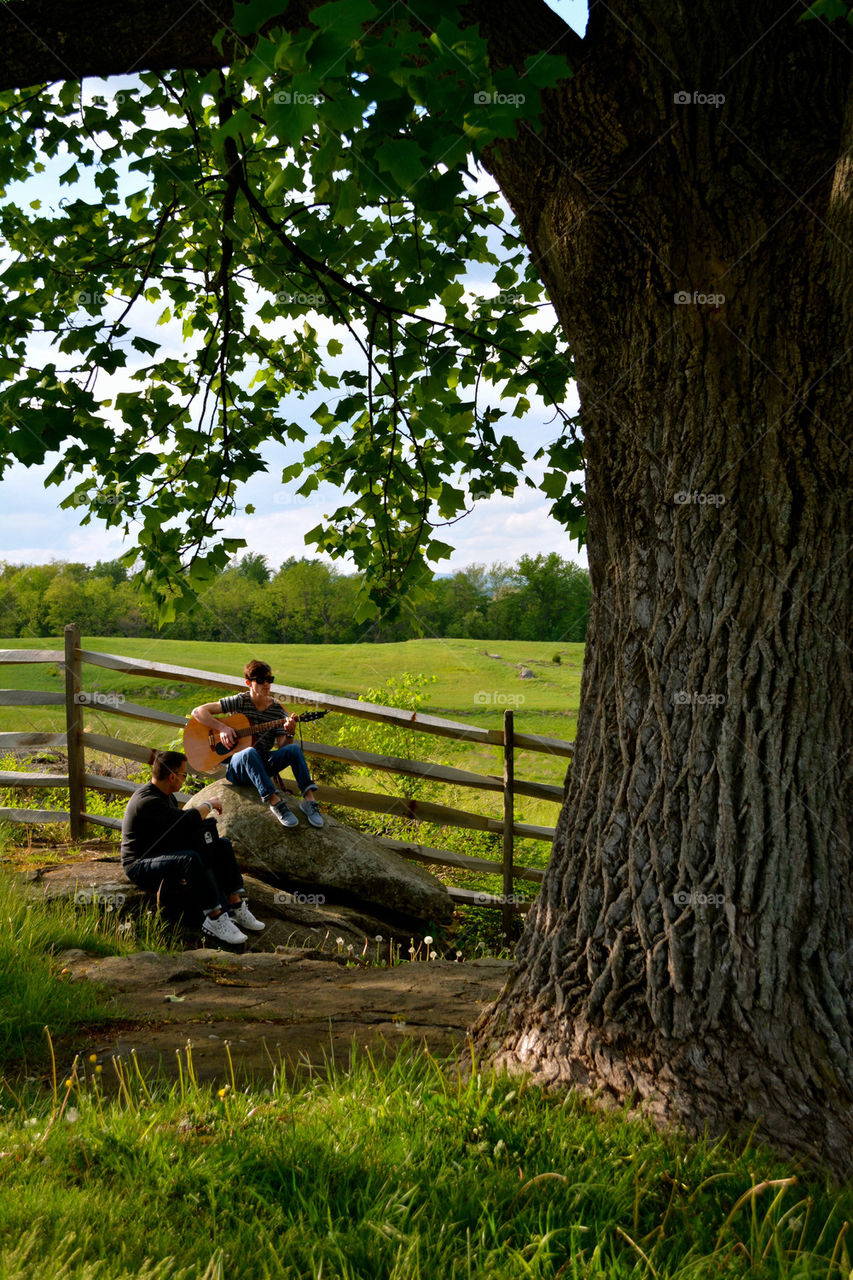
(211, 878)
(250, 766)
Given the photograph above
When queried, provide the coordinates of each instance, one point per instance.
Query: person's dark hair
(166, 762)
(255, 669)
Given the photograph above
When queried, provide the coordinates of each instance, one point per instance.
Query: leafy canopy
(319, 188)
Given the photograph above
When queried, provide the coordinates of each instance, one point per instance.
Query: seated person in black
(162, 842)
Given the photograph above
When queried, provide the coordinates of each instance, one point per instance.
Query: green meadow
(470, 685)
(470, 681)
(404, 1168)
(475, 681)
(409, 1170)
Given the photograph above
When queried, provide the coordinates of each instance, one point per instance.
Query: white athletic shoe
(242, 916)
(224, 929)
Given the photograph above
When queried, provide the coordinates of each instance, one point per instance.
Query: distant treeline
(303, 602)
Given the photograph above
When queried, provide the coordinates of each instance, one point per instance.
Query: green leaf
(832, 10)
(404, 161)
(248, 18)
(346, 17)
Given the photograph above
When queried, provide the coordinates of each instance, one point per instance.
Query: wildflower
(224, 1091)
(98, 1070)
(433, 956)
(93, 1057)
(428, 939)
(72, 1114)
(378, 937)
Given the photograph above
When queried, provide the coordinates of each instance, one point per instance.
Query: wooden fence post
(508, 906)
(74, 732)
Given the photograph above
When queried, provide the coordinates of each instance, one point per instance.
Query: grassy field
(402, 1170)
(470, 684)
(475, 681)
(471, 681)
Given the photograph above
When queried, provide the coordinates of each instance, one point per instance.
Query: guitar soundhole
(220, 749)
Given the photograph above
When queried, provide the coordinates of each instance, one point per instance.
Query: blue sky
(34, 530)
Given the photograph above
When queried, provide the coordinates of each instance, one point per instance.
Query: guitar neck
(258, 730)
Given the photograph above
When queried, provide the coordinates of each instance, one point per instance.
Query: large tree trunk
(692, 946)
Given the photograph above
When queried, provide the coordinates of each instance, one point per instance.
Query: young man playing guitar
(270, 752)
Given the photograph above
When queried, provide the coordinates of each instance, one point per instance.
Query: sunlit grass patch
(34, 991)
(404, 1168)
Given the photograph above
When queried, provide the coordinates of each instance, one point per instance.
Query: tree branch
(46, 40)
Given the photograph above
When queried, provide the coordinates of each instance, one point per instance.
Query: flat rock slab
(292, 917)
(288, 1011)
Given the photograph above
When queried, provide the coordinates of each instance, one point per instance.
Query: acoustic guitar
(206, 752)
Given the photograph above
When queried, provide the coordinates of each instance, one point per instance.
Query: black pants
(211, 876)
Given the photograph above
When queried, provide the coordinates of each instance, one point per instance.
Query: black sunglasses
(269, 678)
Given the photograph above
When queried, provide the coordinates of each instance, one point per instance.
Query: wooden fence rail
(77, 740)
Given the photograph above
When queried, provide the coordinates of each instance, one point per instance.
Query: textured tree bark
(692, 946)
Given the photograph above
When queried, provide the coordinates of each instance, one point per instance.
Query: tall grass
(401, 1170)
(33, 990)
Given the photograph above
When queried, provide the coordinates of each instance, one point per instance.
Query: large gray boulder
(337, 858)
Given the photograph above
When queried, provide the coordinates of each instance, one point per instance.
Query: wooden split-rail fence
(76, 740)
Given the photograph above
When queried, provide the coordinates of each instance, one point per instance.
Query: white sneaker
(223, 928)
(242, 916)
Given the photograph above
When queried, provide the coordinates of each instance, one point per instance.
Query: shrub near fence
(76, 740)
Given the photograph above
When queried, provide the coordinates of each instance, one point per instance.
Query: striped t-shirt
(242, 703)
